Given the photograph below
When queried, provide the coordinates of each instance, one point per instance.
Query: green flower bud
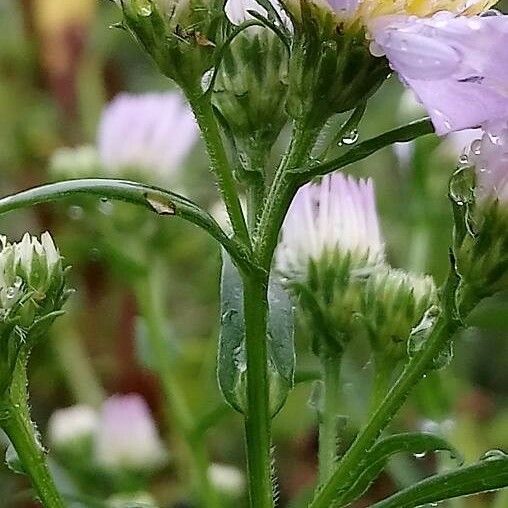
(393, 302)
(32, 293)
(250, 93)
(331, 69)
(180, 35)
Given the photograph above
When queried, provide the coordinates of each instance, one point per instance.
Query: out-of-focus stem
(151, 303)
(75, 364)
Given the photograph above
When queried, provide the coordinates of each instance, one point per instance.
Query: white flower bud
(72, 424)
(227, 479)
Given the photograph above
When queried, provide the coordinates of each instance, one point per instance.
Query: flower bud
(250, 93)
(227, 479)
(126, 437)
(72, 426)
(79, 162)
(32, 293)
(179, 35)
(479, 190)
(331, 242)
(331, 69)
(393, 303)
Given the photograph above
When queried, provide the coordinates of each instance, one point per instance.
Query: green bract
(250, 93)
(180, 35)
(393, 303)
(331, 69)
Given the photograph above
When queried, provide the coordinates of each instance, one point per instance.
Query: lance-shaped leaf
(489, 474)
(232, 359)
(363, 150)
(158, 200)
(377, 457)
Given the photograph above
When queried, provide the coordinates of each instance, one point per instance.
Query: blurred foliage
(58, 66)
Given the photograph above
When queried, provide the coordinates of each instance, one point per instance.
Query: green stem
(151, 302)
(203, 111)
(328, 427)
(382, 379)
(337, 485)
(282, 190)
(22, 433)
(75, 364)
(257, 419)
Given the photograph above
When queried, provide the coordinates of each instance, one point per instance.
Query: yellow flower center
(369, 9)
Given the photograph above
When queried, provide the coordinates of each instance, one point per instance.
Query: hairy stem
(257, 419)
(23, 435)
(203, 111)
(328, 424)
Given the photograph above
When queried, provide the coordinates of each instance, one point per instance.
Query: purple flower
(336, 214)
(150, 133)
(456, 65)
(489, 155)
(126, 436)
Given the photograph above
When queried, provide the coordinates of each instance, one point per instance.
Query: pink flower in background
(150, 133)
(126, 436)
(338, 213)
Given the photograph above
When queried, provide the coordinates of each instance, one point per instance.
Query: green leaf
(363, 150)
(281, 344)
(12, 460)
(489, 474)
(231, 361)
(157, 200)
(376, 459)
(231, 364)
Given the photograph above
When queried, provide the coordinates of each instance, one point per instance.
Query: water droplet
(419, 455)
(10, 292)
(76, 212)
(144, 8)
(351, 138)
(18, 282)
(106, 207)
(493, 455)
(421, 331)
(476, 146)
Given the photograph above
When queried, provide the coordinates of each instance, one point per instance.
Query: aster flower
(455, 64)
(151, 134)
(126, 436)
(331, 242)
(336, 215)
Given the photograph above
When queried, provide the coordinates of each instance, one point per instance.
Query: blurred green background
(60, 63)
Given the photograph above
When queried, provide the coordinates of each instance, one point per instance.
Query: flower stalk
(16, 423)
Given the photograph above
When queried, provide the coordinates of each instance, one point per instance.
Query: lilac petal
(456, 65)
(347, 7)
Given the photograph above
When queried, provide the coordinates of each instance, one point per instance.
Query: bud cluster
(332, 255)
(32, 293)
